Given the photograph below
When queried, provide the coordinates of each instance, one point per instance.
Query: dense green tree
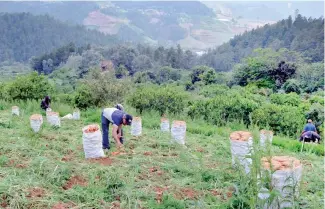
(24, 35)
(302, 35)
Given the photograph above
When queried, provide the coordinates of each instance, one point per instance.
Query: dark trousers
(105, 130)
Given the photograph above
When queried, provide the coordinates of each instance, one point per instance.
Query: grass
(295, 146)
(152, 174)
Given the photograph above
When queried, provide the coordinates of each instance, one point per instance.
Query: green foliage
(203, 73)
(100, 89)
(295, 146)
(306, 38)
(267, 68)
(223, 108)
(161, 99)
(311, 76)
(316, 113)
(166, 74)
(31, 86)
(41, 35)
(291, 99)
(288, 120)
(121, 72)
(291, 85)
(213, 90)
(316, 99)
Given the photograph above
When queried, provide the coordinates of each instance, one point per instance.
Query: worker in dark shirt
(309, 126)
(120, 107)
(45, 103)
(309, 134)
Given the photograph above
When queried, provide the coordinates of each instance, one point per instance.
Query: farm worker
(310, 132)
(120, 107)
(309, 126)
(310, 136)
(45, 103)
(117, 118)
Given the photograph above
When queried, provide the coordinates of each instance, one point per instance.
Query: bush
(223, 108)
(316, 113)
(281, 119)
(29, 87)
(286, 99)
(161, 99)
(100, 89)
(203, 73)
(213, 90)
(292, 85)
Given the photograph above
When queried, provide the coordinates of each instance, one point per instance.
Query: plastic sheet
(92, 141)
(178, 132)
(68, 116)
(136, 126)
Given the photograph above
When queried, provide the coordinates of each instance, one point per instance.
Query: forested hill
(23, 35)
(302, 35)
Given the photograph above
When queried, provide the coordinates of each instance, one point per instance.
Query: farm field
(48, 169)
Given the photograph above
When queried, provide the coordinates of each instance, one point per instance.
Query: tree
(203, 73)
(282, 73)
(29, 87)
(291, 85)
(311, 76)
(121, 72)
(142, 62)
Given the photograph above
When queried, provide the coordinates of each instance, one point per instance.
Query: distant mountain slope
(302, 35)
(196, 25)
(72, 12)
(23, 35)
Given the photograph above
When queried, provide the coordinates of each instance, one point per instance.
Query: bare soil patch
(62, 205)
(36, 192)
(75, 180)
(102, 161)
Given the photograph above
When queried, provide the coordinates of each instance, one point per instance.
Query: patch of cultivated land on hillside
(48, 169)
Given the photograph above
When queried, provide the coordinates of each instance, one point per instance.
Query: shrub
(223, 108)
(291, 85)
(203, 73)
(285, 99)
(31, 86)
(281, 119)
(213, 90)
(161, 99)
(100, 89)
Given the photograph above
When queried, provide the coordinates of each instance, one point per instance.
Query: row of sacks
(53, 118)
(284, 171)
(178, 129)
(92, 136)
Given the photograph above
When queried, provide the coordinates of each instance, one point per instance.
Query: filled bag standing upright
(178, 132)
(36, 121)
(92, 141)
(15, 110)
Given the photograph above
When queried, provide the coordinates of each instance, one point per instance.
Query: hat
(128, 119)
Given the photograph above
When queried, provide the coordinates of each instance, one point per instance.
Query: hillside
(52, 172)
(303, 35)
(24, 35)
(194, 25)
